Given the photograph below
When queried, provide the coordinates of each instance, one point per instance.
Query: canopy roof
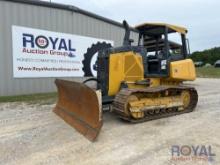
(157, 28)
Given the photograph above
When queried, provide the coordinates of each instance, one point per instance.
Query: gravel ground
(32, 134)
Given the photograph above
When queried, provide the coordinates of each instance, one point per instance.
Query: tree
(207, 56)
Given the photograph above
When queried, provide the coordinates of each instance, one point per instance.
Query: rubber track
(121, 99)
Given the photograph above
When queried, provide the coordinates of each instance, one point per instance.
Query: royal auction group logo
(47, 45)
(193, 153)
(41, 41)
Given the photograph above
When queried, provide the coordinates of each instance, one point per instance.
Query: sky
(200, 17)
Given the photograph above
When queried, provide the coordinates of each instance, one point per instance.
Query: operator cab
(160, 50)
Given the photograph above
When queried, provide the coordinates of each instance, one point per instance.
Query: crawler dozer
(140, 83)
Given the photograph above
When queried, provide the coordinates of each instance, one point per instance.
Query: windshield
(156, 44)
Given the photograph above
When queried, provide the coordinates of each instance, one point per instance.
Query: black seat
(153, 64)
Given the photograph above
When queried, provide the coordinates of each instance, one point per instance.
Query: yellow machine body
(125, 66)
(182, 70)
(128, 67)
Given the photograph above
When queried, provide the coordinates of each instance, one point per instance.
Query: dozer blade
(80, 107)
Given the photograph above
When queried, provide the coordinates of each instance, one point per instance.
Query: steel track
(120, 102)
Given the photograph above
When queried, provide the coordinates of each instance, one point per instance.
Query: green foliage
(207, 56)
(208, 72)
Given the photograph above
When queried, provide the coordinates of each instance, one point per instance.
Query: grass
(45, 98)
(208, 72)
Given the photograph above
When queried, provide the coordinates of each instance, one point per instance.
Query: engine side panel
(182, 70)
(124, 66)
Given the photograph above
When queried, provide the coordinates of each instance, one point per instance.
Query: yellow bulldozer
(139, 83)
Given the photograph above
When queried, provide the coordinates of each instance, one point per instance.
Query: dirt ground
(33, 134)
